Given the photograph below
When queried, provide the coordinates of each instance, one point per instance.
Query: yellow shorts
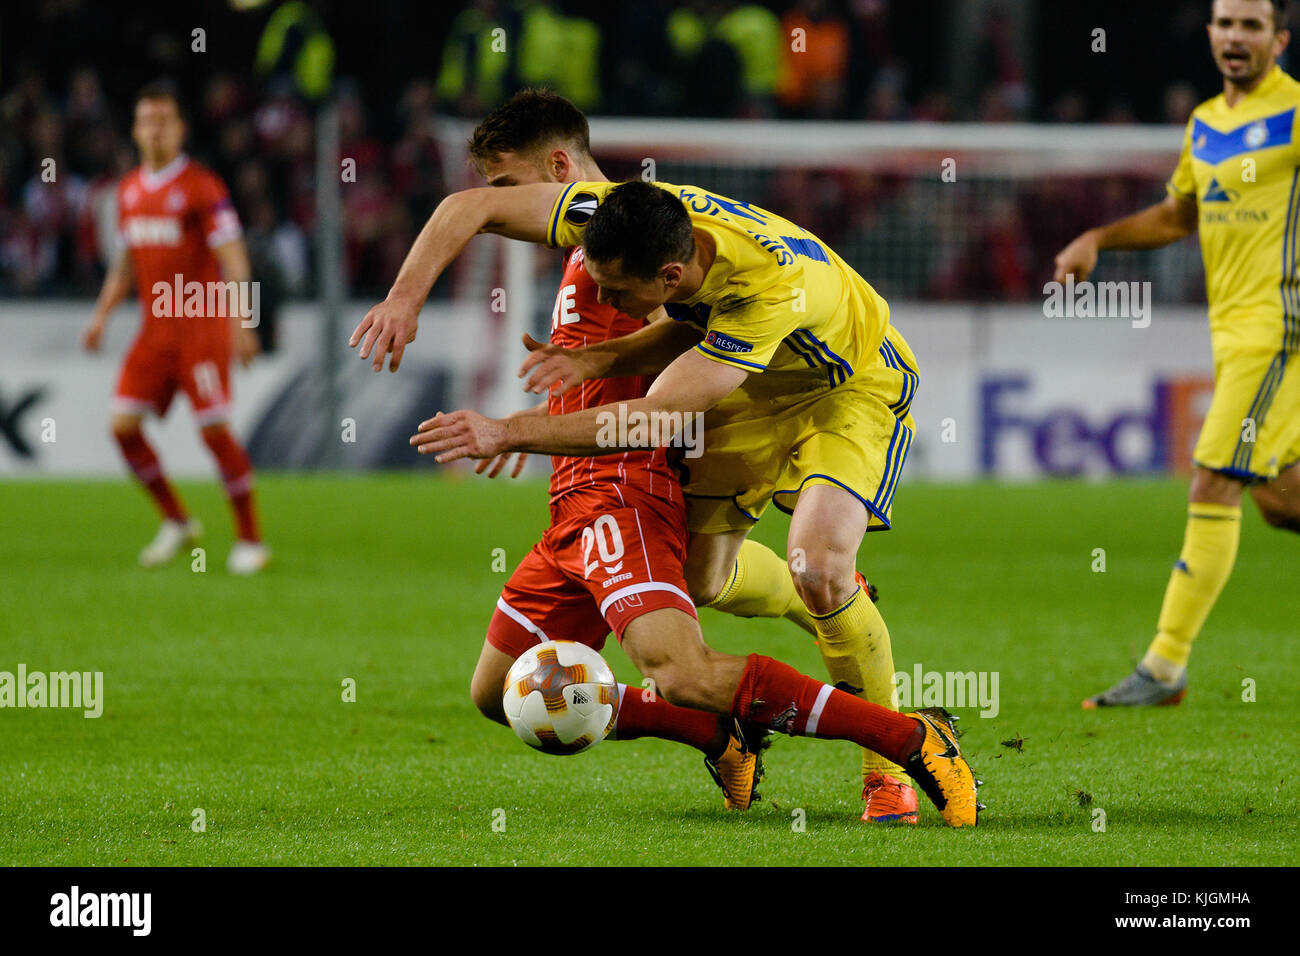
(781, 431)
(1252, 430)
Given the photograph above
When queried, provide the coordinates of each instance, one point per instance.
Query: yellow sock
(854, 643)
(1209, 551)
(760, 586)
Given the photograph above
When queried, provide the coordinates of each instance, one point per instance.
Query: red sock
(144, 463)
(778, 696)
(638, 717)
(237, 477)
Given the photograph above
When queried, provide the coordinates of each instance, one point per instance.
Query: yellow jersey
(1242, 166)
(775, 298)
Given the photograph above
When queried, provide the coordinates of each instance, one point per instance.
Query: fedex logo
(1072, 440)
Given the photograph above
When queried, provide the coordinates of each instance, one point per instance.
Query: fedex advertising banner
(1005, 392)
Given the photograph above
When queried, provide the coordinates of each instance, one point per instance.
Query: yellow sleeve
(572, 211)
(1183, 181)
(748, 335)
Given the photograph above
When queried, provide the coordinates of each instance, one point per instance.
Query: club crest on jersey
(1257, 135)
(175, 201)
(725, 343)
(581, 208)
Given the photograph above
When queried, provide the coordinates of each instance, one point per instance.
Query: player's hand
(93, 334)
(1078, 259)
(246, 346)
(388, 327)
(461, 434)
(500, 462)
(551, 365)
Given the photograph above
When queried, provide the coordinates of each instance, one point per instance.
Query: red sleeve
(218, 220)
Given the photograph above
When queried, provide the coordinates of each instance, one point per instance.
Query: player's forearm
(1156, 226)
(578, 434)
(541, 408)
(233, 259)
(647, 351)
(116, 287)
(458, 219)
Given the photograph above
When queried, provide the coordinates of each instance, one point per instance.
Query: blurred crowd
(66, 99)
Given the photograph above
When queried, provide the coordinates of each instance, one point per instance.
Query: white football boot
(167, 543)
(248, 557)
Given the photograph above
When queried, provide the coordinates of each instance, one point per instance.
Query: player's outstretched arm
(647, 351)
(516, 212)
(521, 459)
(692, 383)
(116, 287)
(1158, 225)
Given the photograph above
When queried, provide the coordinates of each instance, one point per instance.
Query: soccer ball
(560, 697)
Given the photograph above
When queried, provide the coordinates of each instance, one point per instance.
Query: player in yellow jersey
(1238, 182)
(806, 386)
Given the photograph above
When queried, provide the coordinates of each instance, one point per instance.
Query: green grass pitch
(226, 694)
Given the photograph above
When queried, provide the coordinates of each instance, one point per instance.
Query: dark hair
(161, 90)
(531, 119)
(1279, 14)
(642, 226)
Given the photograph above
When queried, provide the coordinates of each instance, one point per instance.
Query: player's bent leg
(1203, 567)
(537, 602)
(177, 529)
(248, 555)
(826, 531)
(710, 559)
(1279, 500)
(667, 646)
(485, 687)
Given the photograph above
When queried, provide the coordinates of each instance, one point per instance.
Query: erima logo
(1216, 193)
(725, 343)
(581, 208)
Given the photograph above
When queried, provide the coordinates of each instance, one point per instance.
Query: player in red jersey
(184, 247)
(612, 558)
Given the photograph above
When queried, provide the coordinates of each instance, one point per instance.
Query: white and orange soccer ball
(561, 697)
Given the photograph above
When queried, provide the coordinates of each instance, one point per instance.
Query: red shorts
(611, 554)
(156, 366)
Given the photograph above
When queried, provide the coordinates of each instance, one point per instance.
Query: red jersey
(578, 319)
(171, 220)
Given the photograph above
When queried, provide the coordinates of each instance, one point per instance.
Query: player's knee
(124, 425)
(1212, 487)
(704, 584)
(487, 698)
(1283, 514)
(215, 435)
(821, 588)
(681, 686)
